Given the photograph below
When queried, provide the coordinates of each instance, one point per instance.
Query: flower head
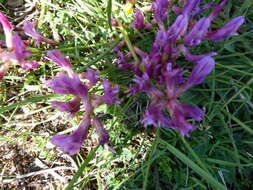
(139, 20)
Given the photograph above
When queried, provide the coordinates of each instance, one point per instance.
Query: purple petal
(71, 107)
(161, 41)
(139, 21)
(8, 29)
(161, 10)
(21, 51)
(228, 30)
(179, 123)
(29, 65)
(59, 59)
(111, 93)
(190, 7)
(31, 31)
(194, 58)
(201, 70)
(92, 76)
(72, 143)
(193, 112)
(154, 116)
(66, 85)
(198, 32)
(199, 73)
(172, 77)
(178, 28)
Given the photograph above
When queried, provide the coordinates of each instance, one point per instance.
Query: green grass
(217, 156)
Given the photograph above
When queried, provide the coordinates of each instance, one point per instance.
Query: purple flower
(111, 93)
(161, 41)
(31, 31)
(178, 28)
(8, 31)
(199, 73)
(154, 116)
(92, 76)
(20, 49)
(228, 30)
(139, 21)
(192, 112)
(60, 59)
(161, 10)
(198, 32)
(173, 77)
(71, 107)
(179, 122)
(67, 85)
(72, 143)
(190, 7)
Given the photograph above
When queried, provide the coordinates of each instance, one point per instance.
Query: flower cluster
(14, 50)
(72, 84)
(159, 75)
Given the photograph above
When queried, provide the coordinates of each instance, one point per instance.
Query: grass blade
(91, 155)
(27, 101)
(208, 177)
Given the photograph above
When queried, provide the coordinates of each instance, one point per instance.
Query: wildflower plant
(80, 86)
(159, 73)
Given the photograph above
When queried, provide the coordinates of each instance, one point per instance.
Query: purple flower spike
(111, 93)
(178, 28)
(72, 143)
(60, 59)
(29, 65)
(31, 31)
(139, 21)
(8, 30)
(66, 85)
(198, 32)
(228, 30)
(71, 107)
(161, 10)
